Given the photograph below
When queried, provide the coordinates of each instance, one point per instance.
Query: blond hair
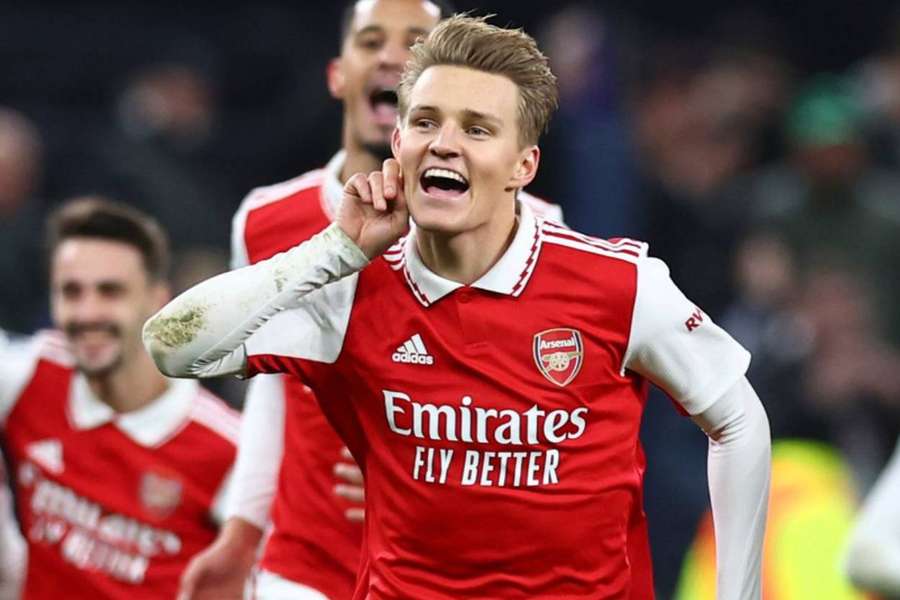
(471, 42)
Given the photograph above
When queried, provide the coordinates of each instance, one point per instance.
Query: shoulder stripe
(627, 255)
(210, 412)
(272, 193)
(626, 245)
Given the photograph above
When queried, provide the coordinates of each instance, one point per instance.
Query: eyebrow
(468, 113)
(374, 28)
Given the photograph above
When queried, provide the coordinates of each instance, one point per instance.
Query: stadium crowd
(768, 184)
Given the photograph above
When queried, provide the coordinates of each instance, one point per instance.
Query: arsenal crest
(160, 495)
(558, 354)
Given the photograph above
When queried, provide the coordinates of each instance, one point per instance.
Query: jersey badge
(160, 493)
(559, 354)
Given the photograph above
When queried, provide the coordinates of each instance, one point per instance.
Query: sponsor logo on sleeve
(695, 320)
(559, 354)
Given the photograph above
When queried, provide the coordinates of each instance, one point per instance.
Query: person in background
(120, 474)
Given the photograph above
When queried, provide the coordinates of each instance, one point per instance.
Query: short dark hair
(101, 218)
(445, 7)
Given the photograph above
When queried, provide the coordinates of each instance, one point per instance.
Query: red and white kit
(497, 423)
(311, 543)
(112, 505)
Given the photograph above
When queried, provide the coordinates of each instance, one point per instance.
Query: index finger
(392, 177)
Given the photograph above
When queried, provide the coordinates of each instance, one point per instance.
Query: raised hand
(373, 211)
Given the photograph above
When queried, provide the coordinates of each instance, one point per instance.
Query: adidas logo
(413, 352)
(48, 454)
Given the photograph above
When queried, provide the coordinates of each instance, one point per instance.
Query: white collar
(332, 186)
(149, 426)
(508, 276)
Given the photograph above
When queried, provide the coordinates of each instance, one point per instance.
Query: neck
(466, 257)
(358, 159)
(132, 386)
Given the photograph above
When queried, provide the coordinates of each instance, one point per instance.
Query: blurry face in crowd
(366, 75)
(460, 149)
(100, 297)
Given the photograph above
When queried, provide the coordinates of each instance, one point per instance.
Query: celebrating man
(488, 370)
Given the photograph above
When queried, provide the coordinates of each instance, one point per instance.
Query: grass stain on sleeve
(179, 329)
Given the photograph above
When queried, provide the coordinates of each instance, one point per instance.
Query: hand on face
(373, 210)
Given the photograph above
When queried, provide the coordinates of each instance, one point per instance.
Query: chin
(98, 366)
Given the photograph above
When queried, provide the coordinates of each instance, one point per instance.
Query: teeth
(447, 174)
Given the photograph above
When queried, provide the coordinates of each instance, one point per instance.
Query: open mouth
(384, 105)
(443, 183)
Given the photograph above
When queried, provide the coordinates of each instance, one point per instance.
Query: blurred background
(756, 147)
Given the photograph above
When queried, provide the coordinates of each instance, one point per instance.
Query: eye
(424, 124)
(370, 43)
(478, 131)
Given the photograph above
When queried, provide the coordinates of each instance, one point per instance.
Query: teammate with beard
(119, 473)
(291, 463)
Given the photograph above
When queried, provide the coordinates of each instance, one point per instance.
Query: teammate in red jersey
(488, 370)
(119, 472)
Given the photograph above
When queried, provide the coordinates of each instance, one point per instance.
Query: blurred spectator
(589, 154)
(21, 215)
(766, 319)
(163, 154)
(840, 217)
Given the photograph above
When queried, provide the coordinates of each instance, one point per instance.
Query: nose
(393, 55)
(446, 143)
(89, 308)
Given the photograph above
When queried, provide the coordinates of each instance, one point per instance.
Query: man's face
(100, 297)
(366, 75)
(459, 149)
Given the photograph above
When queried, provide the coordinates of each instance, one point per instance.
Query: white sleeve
(259, 452)
(218, 509)
(676, 345)
(12, 546)
(873, 555)
(239, 255)
(201, 333)
(18, 359)
(739, 467)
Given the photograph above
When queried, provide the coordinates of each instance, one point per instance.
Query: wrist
(241, 535)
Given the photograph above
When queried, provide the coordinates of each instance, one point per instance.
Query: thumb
(188, 585)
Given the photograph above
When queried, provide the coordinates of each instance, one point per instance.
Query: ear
(395, 140)
(334, 74)
(526, 168)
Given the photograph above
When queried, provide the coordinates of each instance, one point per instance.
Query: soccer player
(488, 370)
(119, 472)
(312, 550)
(873, 556)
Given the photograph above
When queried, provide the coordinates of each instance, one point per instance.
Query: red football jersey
(311, 541)
(112, 505)
(497, 423)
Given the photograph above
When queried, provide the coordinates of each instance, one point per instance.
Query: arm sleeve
(739, 467)
(18, 358)
(202, 332)
(676, 345)
(873, 555)
(260, 451)
(12, 545)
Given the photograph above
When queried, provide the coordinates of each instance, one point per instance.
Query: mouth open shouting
(383, 103)
(443, 184)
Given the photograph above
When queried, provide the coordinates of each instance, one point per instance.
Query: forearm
(739, 467)
(202, 331)
(259, 452)
(873, 555)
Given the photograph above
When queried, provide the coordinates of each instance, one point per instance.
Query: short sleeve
(674, 344)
